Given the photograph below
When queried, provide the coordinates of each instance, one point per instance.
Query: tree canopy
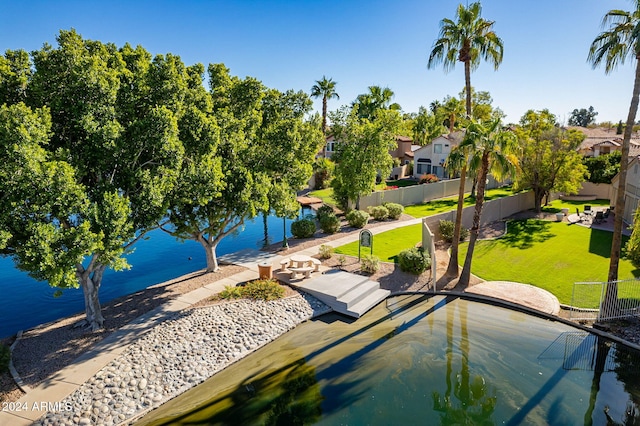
(603, 168)
(363, 152)
(547, 156)
(103, 144)
(582, 117)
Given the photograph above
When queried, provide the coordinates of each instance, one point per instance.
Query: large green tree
(114, 126)
(582, 117)
(547, 156)
(285, 149)
(256, 153)
(218, 189)
(426, 127)
(363, 152)
(468, 40)
(491, 150)
(619, 41)
(325, 89)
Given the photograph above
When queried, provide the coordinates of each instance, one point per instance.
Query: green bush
(323, 211)
(414, 260)
(5, 357)
(231, 292)
(330, 224)
(446, 228)
(325, 251)
(357, 218)
(379, 212)
(370, 264)
(303, 228)
(395, 210)
(268, 289)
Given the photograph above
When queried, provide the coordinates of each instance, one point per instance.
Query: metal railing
(605, 301)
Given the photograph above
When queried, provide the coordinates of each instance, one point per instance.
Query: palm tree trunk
(465, 276)
(453, 268)
(324, 126)
(467, 85)
(611, 294)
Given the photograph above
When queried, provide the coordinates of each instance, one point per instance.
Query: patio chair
(606, 214)
(599, 217)
(587, 208)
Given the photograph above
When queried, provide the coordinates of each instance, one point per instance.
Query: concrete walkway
(37, 401)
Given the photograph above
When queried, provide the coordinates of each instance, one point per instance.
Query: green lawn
(446, 204)
(387, 245)
(326, 195)
(549, 255)
(557, 205)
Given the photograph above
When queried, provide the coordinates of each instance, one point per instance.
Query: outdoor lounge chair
(599, 217)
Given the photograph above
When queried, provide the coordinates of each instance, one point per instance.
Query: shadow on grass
(523, 234)
(600, 244)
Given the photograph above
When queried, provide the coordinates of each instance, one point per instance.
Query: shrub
(323, 169)
(323, 211)
(395, 210)
(268, 289)
(446, 228)
(370, 264)
(231, 292)
(357, 218)
(5, 357)
(379, 212)
(325, 251)
(428, 178)
(330, 224)
(342, 260)
(414, 260)
(303, 228)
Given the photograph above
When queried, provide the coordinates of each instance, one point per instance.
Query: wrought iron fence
(605, 301)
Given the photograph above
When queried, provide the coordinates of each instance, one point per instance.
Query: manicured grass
(557, 205)
(326, 195)
(446, 204)
(387, 245)
(549, 255)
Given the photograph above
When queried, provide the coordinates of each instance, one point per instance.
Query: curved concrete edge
(523, 294)
(12, 369)
(525, 309)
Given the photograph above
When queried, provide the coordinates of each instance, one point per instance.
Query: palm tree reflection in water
(476, 400)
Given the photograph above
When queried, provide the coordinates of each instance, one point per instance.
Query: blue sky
(290, 44)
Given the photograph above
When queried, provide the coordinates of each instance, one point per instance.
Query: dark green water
(430, 361)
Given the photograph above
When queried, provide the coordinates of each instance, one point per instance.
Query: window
(330, 146)
(437, 148)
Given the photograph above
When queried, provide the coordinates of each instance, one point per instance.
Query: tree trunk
(90, 281)
(265, 228)
(611, 295)
(475, 228)
(452, 268)
(474, 183)
(324, 126)
(538, 194)
(467, 85)
(210, 252)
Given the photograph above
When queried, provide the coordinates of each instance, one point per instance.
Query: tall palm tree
(468, 40)
(612, 47)
(325, 88)
(491, 149)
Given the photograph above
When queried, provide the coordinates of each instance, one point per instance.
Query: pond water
(422, 360)
(26, 303)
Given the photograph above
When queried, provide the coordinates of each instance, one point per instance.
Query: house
(632, 191)
(430, 159)
(601, 141)
(403, 152)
